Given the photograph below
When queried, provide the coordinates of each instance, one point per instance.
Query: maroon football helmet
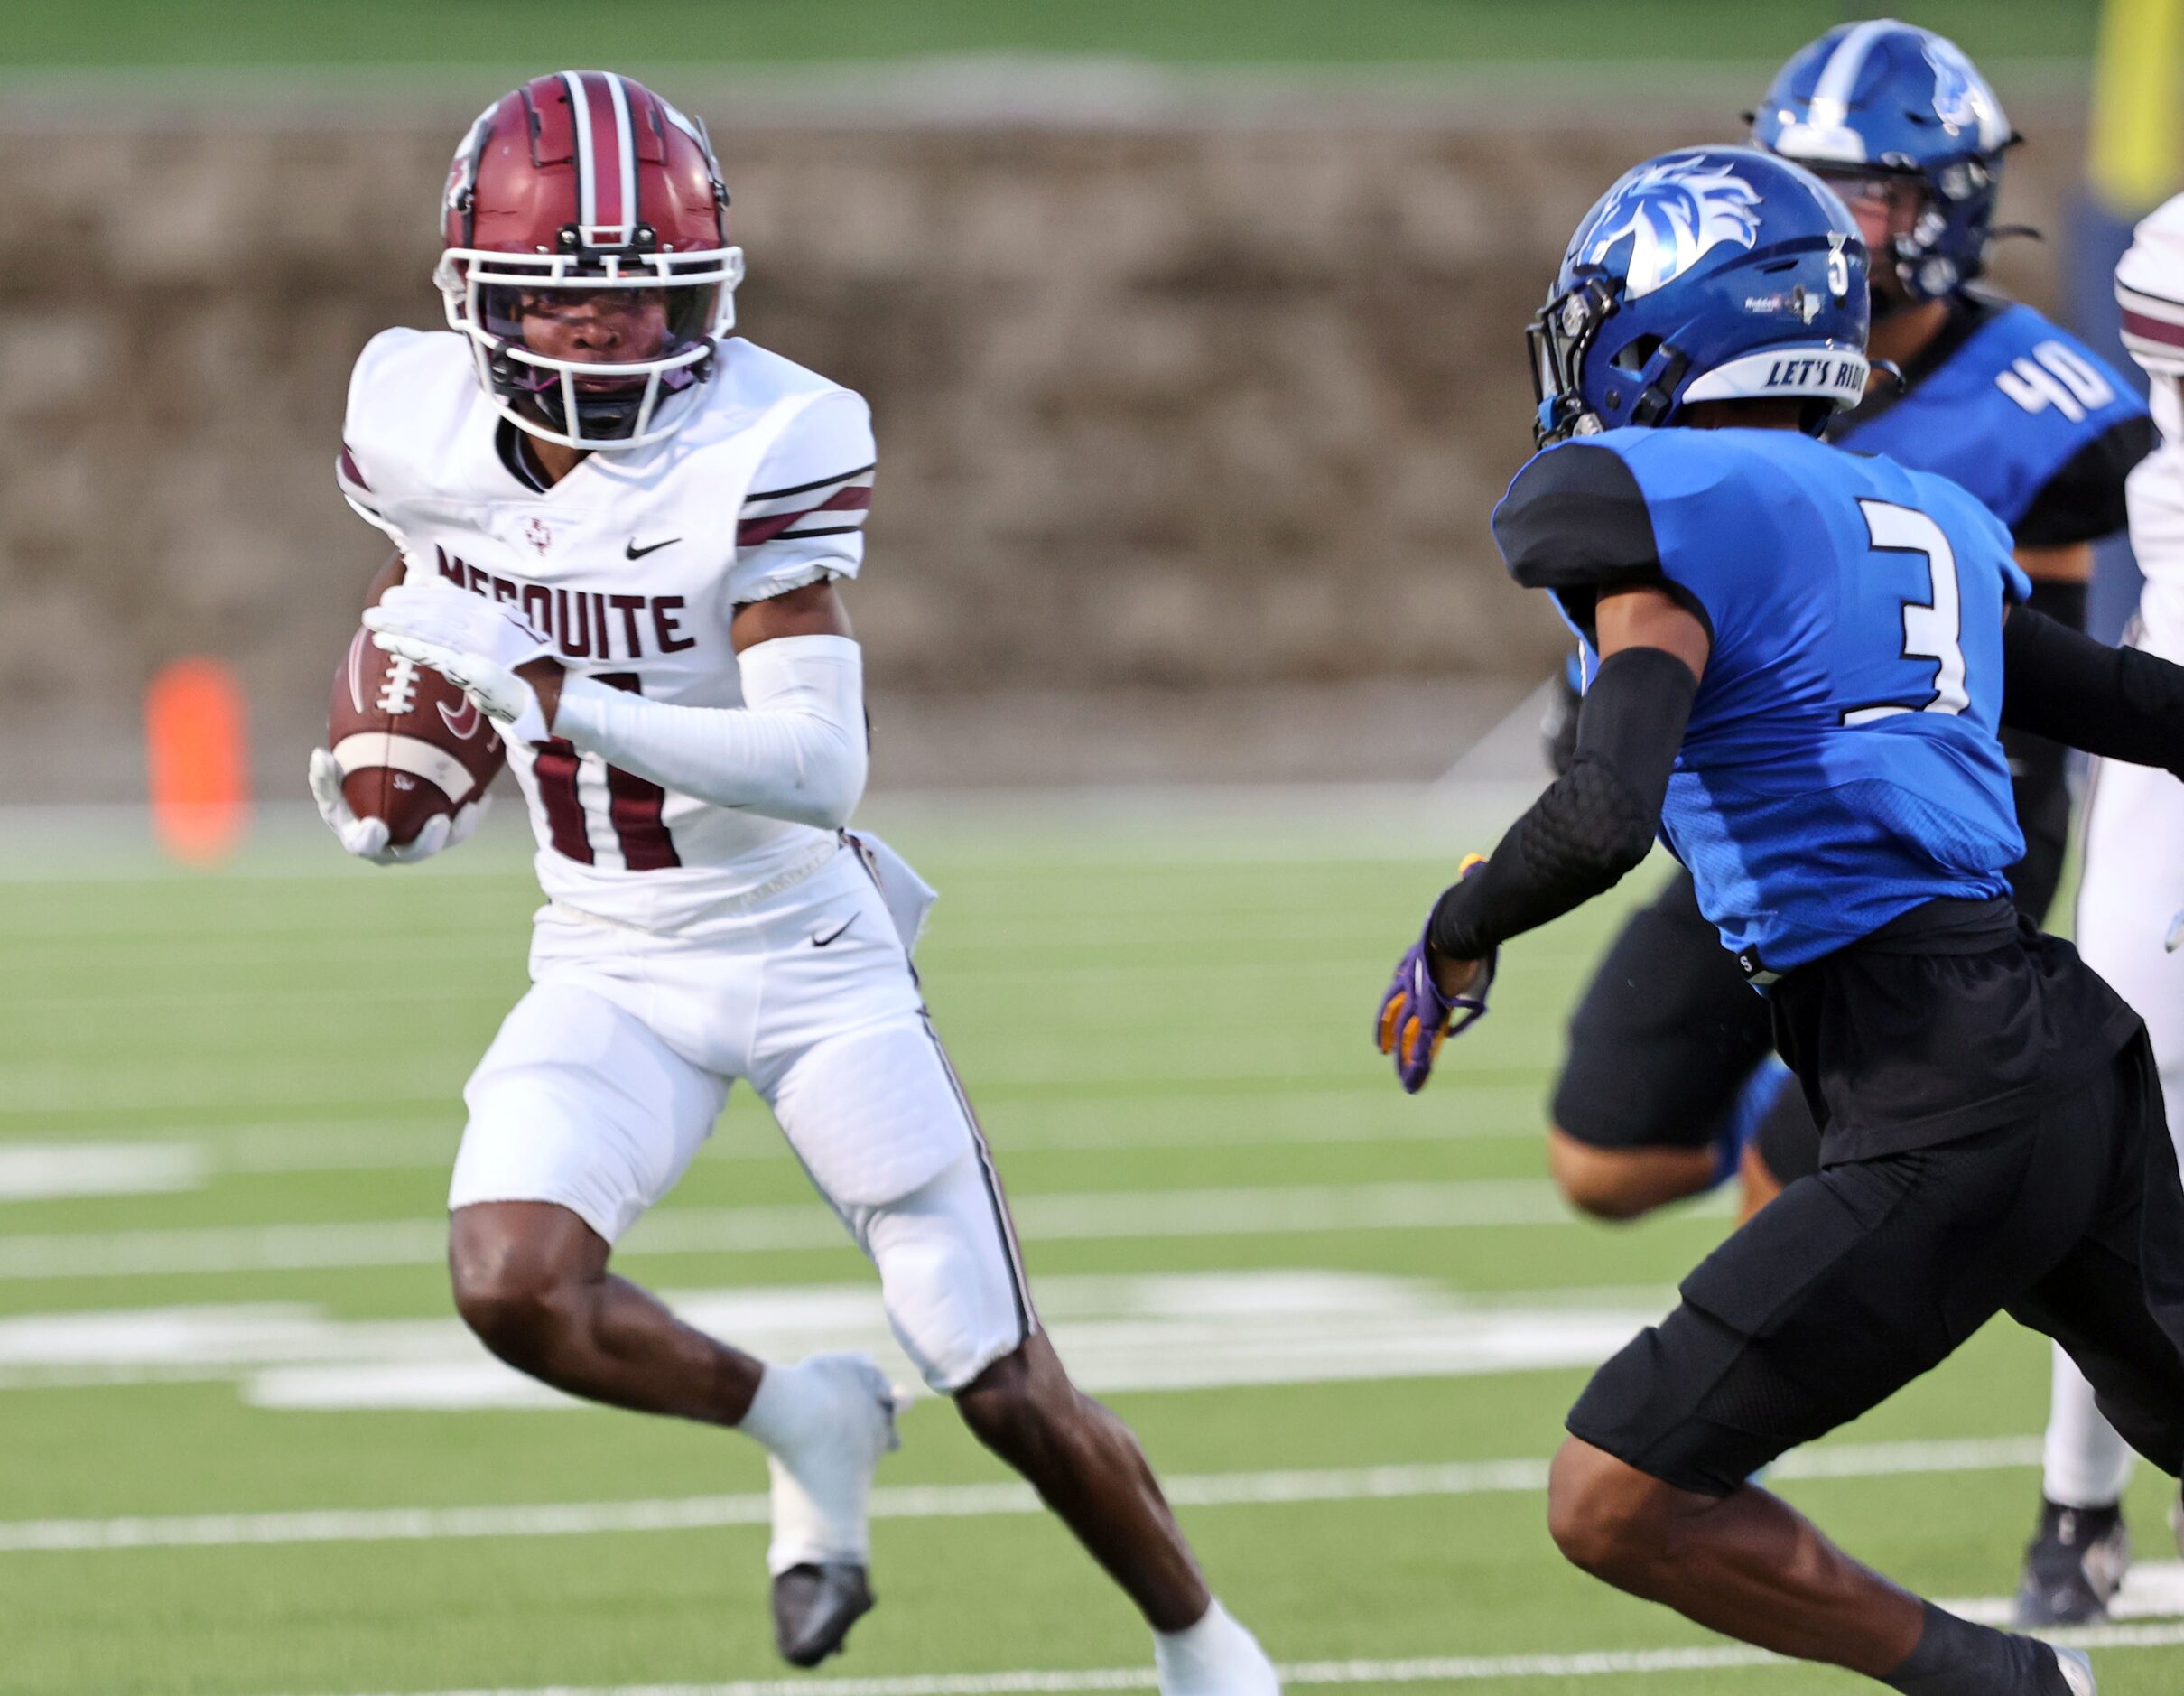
(588, 259)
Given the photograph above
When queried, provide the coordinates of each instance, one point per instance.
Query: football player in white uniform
(2132, 891)
(622, 531)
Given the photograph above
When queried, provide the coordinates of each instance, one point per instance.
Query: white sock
(1214, 1657)
(2087, 1464)
(823, 1431)
(781, 1408)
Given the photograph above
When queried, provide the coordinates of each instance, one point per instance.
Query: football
(410, 744)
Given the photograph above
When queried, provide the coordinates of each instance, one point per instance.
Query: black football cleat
(814, 1606)
(2074, 1566)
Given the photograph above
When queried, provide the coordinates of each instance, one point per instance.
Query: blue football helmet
(1707, 274)
(1883, 99)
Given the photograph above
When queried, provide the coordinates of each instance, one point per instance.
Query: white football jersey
(2150, 290)
(633, 565)
(2155, 492)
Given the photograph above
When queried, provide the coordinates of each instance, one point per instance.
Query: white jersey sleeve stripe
(625, 152)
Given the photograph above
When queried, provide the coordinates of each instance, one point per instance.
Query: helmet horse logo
(1677, 212)
(1961, 100)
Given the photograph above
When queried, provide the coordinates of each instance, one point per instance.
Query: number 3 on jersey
(632, 809)
(1933, 628)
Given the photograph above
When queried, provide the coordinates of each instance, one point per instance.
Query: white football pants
(607, 1076)
(2133, 885)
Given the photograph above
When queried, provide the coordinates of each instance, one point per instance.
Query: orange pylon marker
(196, 745)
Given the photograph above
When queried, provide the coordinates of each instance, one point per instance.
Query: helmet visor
(625, 332)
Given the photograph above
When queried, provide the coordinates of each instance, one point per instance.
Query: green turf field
(720, 31)
(247, 1451)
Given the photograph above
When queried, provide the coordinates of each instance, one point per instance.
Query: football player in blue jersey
(1666, 1077)
(1670, 1080)
(1801, 661)
(1899, 122)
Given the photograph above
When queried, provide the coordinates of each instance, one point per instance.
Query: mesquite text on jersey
(584, 624)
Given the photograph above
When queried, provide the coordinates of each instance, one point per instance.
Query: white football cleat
(2077, 1671)
(827, 1422)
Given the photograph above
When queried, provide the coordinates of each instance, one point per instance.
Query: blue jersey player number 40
(1803, 660)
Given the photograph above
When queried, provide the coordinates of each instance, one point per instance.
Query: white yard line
(1068, 1216)
(937, 1501)
(195, 1157)
(51, 1172)
(1598, 1663)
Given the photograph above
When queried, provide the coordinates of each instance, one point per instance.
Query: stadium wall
(1190, 407)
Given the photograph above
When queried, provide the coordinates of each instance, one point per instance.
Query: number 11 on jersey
(635, 805)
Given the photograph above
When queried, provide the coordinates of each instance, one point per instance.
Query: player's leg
(1847, 1287)
(2080, 1547)
(957, 1298)
(1659, 1088)
(581, 1117)
(2134, 884)
(531, 1280)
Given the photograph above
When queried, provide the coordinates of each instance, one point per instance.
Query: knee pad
(955, 1293)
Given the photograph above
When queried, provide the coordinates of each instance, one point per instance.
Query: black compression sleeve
(2065, 602)
(1595, 822)
(2083, 501)
(2040, 777)
(2115, 702)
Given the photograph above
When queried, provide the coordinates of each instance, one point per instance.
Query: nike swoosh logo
(821, 942)
(634, 552)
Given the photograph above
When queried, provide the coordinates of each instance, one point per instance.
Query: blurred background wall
(1194, 387)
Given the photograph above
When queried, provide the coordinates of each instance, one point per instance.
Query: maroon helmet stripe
(2150, 329)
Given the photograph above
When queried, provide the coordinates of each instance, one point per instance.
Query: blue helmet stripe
(1826, 132)
(1839, 77)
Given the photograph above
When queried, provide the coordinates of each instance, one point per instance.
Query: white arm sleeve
(796, 750)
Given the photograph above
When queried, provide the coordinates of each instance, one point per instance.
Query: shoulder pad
(1575, 516)
(411, 389)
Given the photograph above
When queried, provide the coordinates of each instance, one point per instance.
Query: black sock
(1956, 1658)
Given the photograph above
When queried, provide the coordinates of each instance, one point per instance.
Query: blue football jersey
(1842, 763)
(2021, 413)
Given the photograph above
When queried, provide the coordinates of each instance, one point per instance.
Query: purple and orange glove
(1415, 1017)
